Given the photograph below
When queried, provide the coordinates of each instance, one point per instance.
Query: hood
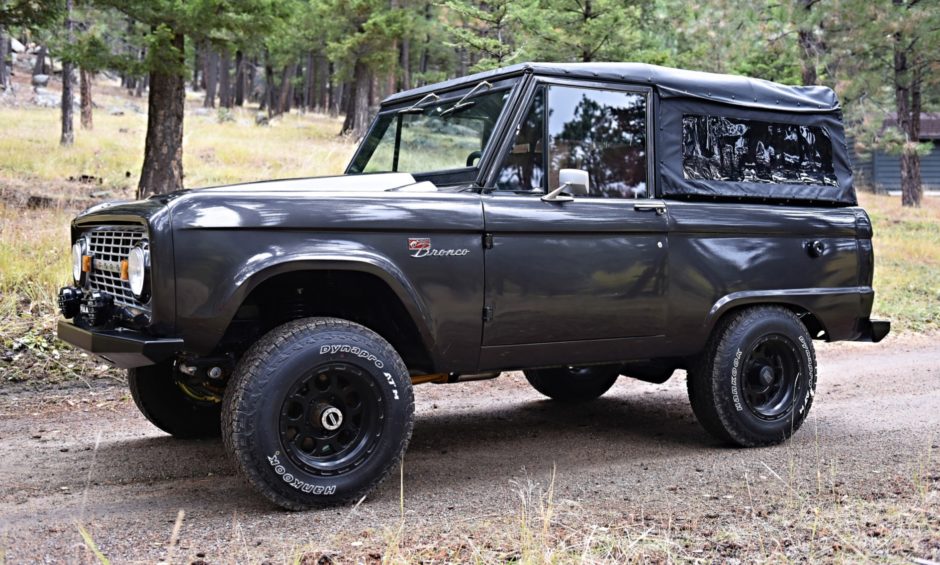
(375, 182)
(124, 210)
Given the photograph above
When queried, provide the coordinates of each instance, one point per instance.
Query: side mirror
(577, 180)
(570, 181)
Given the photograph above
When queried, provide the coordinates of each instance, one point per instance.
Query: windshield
(439, 136)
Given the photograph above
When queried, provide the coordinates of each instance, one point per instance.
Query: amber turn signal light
(124, 275)
(86, 263)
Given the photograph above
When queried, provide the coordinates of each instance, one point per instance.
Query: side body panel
(227, 243)
(581, 281)
(725, 255)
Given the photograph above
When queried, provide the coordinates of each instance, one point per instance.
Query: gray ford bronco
(577, 222)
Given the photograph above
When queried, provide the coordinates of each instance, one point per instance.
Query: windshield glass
(438, 136)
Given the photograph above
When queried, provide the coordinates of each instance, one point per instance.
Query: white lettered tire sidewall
(268, 371)
(727, 381)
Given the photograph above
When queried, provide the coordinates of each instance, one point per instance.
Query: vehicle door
(583, 276)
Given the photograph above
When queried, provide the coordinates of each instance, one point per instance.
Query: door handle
(659, 207)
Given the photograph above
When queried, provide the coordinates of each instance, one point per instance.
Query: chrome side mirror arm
(558, 195)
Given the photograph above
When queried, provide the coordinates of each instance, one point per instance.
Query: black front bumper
(122, 347)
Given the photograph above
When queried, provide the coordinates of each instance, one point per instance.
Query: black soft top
(669, 83)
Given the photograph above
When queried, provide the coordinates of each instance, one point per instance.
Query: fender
(371, 263)
(829, 305)
(368, 262)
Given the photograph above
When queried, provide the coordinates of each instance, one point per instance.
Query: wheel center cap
(766, 375)
(331, 418)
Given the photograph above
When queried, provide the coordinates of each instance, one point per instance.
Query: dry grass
(907, 261)
(34, 246)
(214, 152)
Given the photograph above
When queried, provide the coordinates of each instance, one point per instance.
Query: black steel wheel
(573, 384)
(755, 382)
(318, 412)
(770, 373)
(171, 406)
(331, 419)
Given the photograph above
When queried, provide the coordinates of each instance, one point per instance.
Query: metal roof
(670, 83)
(929, 124)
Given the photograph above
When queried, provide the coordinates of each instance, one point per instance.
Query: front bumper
(873, 330)
(122, 347)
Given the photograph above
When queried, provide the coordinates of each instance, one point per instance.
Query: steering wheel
(473, 157)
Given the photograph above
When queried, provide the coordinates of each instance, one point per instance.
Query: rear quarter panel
(724, 255)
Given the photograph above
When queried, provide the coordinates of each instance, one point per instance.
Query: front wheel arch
(379, 306)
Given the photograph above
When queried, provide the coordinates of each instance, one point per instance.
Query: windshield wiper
(416, 107)
(462, 103)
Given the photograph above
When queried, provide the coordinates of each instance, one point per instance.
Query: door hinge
(487, 241)
(487, 313)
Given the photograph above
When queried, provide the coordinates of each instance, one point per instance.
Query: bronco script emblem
(421, 247)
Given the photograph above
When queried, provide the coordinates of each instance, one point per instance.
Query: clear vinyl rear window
(737, 150)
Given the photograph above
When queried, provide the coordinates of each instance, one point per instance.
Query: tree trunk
(284, 96)
(239, 78)
(40, 67)
(268, 87)
(405, 61)
(908, 101)
(68, 97)
(142, 83)
(4, 49)
(212, 75)
(808, 61)
(197, 64)
(225, 83)
(357, 114)
(309, 78)
(332, 104)
(85, 89)
(163, 152)
(323, 84)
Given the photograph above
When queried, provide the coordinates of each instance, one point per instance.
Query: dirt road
(634, 476)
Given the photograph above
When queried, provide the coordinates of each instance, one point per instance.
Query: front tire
(163, 401)
(755, 383)
(573, 384)
(318, 412)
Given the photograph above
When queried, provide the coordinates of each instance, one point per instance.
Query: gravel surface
(634, 469)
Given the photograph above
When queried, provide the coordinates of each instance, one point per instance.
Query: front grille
(109, 246)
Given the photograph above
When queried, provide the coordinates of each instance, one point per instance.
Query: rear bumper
(122, 347)
(873, 330)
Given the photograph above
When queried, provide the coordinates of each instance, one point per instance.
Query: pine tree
(169, 23)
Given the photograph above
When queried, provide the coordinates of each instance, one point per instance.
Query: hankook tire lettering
(298, 484)
(734, 381)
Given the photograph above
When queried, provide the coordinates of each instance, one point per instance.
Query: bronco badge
(421, 247)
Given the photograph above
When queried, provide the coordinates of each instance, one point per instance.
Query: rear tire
(754, 384)
(573, 384)
(318, 412)
(162, 401)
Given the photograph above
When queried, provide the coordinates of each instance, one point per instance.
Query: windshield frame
(461, 175)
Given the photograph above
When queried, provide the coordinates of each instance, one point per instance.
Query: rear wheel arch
(726, 311)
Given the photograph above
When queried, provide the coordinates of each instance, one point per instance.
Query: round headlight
(78, 250)
(137, 270)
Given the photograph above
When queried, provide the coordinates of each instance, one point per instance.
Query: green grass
(907, 261)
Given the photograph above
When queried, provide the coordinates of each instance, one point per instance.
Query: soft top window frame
(546, 82)
(673, 184)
